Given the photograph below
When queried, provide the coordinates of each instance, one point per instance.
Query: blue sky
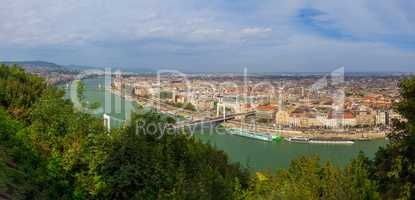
(216, 35)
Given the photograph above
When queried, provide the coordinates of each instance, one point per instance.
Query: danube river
(258, 155)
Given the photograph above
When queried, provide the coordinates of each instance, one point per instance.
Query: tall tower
(107, 121)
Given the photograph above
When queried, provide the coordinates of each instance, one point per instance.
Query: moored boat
(331, 141)
(254, 135)
(320, 140)
(298, 139)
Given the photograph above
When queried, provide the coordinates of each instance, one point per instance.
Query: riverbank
(257, 155)
(353, 135)
(374, 135)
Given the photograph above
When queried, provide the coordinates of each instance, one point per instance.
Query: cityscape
(290, 106)
(209, 100)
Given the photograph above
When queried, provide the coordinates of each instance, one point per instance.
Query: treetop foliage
(49, 150)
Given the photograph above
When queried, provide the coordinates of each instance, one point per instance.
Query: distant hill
(139, 70)
(49, 66)
(124, 70)
(32, 65)
(81, 67)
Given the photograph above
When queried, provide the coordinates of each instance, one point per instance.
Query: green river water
(258, 155)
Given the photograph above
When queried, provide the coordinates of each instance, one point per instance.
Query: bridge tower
(107, 121)
(220, 106)
(224, 111)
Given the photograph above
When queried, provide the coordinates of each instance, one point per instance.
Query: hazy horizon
(152, 70)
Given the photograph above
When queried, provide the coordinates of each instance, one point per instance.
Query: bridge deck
(211, 120)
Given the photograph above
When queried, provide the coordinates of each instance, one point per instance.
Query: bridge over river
(214, 120)
(196, 118)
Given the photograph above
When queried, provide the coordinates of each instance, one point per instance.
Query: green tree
(23, 172)
(306, 178)
(147, 163)
(394, 165)
(56, 152)
(80, 94)
(19, 91)
(358, 179)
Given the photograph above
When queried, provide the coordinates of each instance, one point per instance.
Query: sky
(213, 35)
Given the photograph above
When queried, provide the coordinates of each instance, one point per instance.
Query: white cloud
(255, 31)
(268, 35)
(369, 17)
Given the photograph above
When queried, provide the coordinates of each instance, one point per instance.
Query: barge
(298, 139)
(331, 141)
(320, 140)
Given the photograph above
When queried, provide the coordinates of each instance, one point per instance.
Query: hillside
(34, 64)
